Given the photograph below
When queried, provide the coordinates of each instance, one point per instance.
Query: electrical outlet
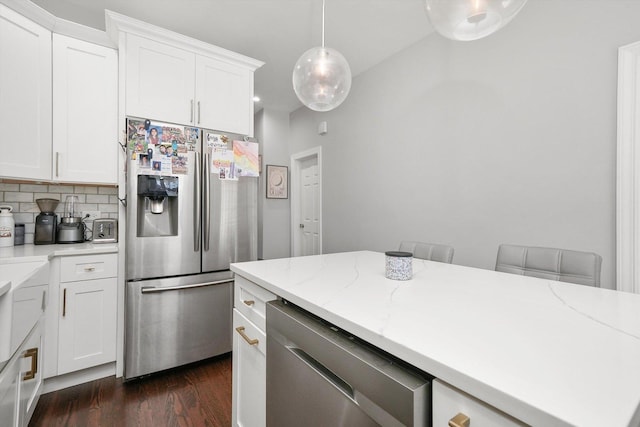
(92, 215)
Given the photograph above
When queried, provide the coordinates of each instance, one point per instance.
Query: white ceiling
(274, 31)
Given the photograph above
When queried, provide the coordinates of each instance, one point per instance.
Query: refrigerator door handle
(207, 208)
(151, 289)
(196, 202)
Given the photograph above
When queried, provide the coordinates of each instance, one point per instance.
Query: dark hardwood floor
(195, 395)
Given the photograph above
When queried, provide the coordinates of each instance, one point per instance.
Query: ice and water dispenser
(157, 205)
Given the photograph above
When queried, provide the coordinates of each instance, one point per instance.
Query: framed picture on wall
(277, 182)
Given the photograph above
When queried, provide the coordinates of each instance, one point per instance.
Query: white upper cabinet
(224, 96)
(173, 78)
(85, 113)
(25, 97)
(160, 81)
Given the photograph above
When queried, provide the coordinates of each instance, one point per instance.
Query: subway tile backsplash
(22, 197)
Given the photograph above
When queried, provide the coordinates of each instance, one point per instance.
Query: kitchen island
(545, 352)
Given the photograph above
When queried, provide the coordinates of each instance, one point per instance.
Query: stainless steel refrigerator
(191, 211)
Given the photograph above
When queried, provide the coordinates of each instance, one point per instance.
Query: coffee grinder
(46, 222)
(71, 227)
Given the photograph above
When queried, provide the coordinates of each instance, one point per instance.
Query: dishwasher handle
(325, 372)
(155, 289)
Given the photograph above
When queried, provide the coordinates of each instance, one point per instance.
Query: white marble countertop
(25, 253)
(546, 352)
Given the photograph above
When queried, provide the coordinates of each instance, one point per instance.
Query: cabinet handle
(57, 163)
(191, 114)
(460, 420)
(33, 354)
(198, 112)
(64, 302)
(250, 341)
(89, 269)
(249, 302)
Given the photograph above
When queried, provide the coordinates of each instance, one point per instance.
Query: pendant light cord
(323, 23)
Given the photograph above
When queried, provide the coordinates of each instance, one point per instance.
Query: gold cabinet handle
(460, 420)
(250, 341)
(33, 354)
(249, 302)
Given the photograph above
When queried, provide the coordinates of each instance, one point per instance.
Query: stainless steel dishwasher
(319, 375)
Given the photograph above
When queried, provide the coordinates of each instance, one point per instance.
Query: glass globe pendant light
(471, 19)
(322, 77)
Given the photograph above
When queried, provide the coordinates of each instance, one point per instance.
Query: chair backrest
(428, 251)
(550, 263)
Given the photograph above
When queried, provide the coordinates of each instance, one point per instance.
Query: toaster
(105, 230)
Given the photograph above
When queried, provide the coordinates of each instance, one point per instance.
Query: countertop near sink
(25, 253)
(548, 353)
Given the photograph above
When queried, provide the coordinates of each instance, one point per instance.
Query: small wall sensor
(322, 128)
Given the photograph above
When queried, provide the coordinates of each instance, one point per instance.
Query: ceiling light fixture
(466, 20)
(322, 77)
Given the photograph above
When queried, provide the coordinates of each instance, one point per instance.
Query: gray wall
(511, 138)
(272, 130)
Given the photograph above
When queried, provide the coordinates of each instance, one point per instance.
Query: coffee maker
(46, 222)
(71, 228)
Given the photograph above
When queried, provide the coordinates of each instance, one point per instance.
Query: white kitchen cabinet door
(452, 407)
(21, 381)
(30, 375)
(160, 81)
(249, 373)
(85, 117)
(224, 95)
(25, 97)
(9, 386)
(87, 324)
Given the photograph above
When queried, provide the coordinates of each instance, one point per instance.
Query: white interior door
(307, 203)
(309, 207)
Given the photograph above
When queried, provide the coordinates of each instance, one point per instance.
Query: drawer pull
(249, 302)
(33, 354)
(89, 269)
(460, 420)
(250, 341)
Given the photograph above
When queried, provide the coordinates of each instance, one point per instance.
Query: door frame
(296, 176)
(628, 170)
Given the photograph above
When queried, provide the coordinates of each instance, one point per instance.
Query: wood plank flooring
(195, 395)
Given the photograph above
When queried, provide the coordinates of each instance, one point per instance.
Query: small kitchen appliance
(7, 226)
(105, 230)
(46, 222)
(71, 228)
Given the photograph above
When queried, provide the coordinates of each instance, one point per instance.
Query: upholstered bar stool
(428, 251)
(550, 263)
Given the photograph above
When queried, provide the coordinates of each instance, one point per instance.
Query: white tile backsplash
(22, 197)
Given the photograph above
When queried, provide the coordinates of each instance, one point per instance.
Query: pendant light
(322, 77)
(471, 19)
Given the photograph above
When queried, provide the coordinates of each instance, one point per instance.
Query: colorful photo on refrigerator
(154, 135)
(179, 165)
(246, 160)
(136, 136)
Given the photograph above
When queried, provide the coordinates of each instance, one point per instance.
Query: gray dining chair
(428, 251)
(550, 263)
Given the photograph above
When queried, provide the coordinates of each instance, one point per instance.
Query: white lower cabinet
(249, 354)
(455, 408)
(21, 381)
(249, 373)
(82, 326)
(87, 328)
